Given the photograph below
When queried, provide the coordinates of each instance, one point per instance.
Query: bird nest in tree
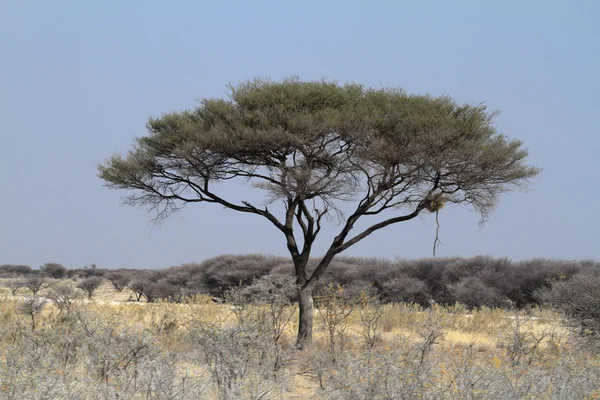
(435, 202)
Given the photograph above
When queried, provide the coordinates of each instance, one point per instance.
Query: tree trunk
(306, 317)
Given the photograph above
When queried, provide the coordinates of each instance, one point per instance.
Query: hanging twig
(437, 232)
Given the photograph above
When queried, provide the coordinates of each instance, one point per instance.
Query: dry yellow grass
(487, 331)
(462, 327)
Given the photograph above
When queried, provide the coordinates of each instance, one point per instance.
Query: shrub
(267, 289)
(162, 289)
(421, 281)
(430, 271)
(405, 289)
(265, 307)
(137, 286)
(119, 280)
(32, 307)
(356, 275)
(63, 295)
(526, 277)
(234, 357)
(579, 299)
(36, 283)
(89, 285)
(15, 269)
(473, 293)
(86, 272)
(335, 309)
(224, 272)
(155, 290)
(15, 285)
(54, 270)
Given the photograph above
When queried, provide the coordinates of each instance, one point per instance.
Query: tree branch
(378, 226)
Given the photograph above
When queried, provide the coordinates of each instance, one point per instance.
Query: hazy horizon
(79, 81)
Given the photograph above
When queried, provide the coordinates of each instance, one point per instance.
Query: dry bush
(371, 313)
(265, 306)
(248, 359)
(227, 271)
(335, 307)
(579, 300)
(89, 285)
(63, 296)
(404, 368)
(423, 365)
(473, 293)
(137, 287)
(32, 307)
(15, 285)
(405, 289)
(233, 356)
(243, 349)
(36, 283)
(333, 322)
(86, 355)
(15, 270)
(423, 281)
(53, 270)
(119, 280)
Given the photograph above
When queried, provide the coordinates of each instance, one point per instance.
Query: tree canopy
(313, 146)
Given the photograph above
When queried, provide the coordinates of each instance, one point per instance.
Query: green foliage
(307, 140)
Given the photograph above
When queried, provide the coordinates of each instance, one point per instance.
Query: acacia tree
(312, 146)
(89, 285)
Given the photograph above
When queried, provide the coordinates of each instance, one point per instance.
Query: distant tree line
(475, 282)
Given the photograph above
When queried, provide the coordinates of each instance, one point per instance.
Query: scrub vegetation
(226, 329)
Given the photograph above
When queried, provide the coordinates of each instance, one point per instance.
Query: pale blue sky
(78, 80)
